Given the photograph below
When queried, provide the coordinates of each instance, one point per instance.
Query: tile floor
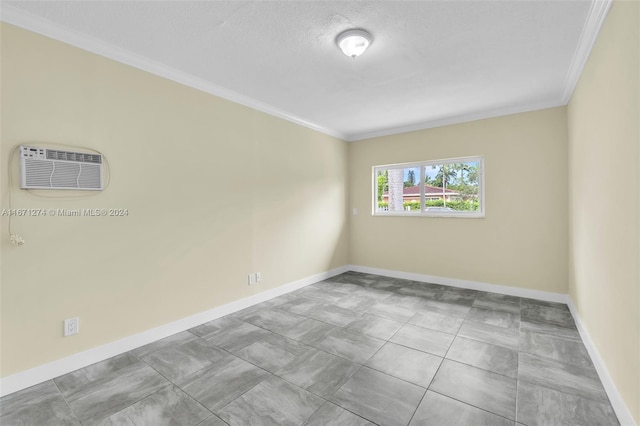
(352, 350)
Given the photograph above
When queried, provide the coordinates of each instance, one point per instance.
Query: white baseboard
(622, 411)
(620, 408)
(42, 373)
(473, 285)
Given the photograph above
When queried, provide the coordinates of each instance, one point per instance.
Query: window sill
(476, 215)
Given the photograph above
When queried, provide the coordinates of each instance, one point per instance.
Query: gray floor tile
(423, 339)
(237, 336)
(276, 320)
(507, 337)
(388, 284)
(495, 318)
(565, 377)
(344, 288)
(178, 361)
(300, 305)
(496, 304)
(372, 293)
(443, 307)
(107, 368)
(497, 359)
(272, 402)
(355, 303)
(348, 288)
(543, 327)
(556, 305)
(540, 406)
(393, 312)
(483, 389)
(466, 292)
(334, 315)
(376, 277)
(384, 278)
(273, 352)
(102, 389)
(309, 331)
(38, 405)
(252, 310)
(436, 321)
(222, 382)
(323, 296)
(412, 303)
(331, 414)
(212, 421)
(169, 406)
(206, 330)
(378, 397)
(497, 297)
(319, 372)
(354, 278)
(176, 339)
(280, 300)
(555, 347)
(458, 297)
(371, 325)
(422, 284)
(439, 410)
(557, 315)
(408, 364)
(385, 286)
(424, 291)
(353, 346)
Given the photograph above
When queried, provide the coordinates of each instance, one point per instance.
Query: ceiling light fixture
(353, 43)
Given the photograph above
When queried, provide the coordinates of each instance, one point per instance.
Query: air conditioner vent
(42, 168)
(73, 156)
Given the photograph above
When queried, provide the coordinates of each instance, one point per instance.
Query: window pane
(398, 190)
(452, 187)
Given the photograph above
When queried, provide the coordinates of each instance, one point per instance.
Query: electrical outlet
(258, 277)
(71, 326)
(252, 279)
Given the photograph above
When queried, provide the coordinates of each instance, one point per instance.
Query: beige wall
(215, 190)
(522, 241)
(604, 136)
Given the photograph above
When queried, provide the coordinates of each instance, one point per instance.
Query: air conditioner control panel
(32, 153)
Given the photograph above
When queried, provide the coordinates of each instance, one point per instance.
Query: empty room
(320, 213)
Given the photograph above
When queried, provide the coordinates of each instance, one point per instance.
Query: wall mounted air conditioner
(44, 168)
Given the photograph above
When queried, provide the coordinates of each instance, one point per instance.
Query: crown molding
(595, 18)
(465, 118)
(19, 18)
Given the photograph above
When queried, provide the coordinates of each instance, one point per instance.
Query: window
(451, 187)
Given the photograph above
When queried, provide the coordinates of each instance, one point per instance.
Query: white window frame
(421, 165)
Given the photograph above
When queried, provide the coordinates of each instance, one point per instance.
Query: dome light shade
(353, 43)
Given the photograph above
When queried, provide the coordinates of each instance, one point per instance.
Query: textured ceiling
(431, 62)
